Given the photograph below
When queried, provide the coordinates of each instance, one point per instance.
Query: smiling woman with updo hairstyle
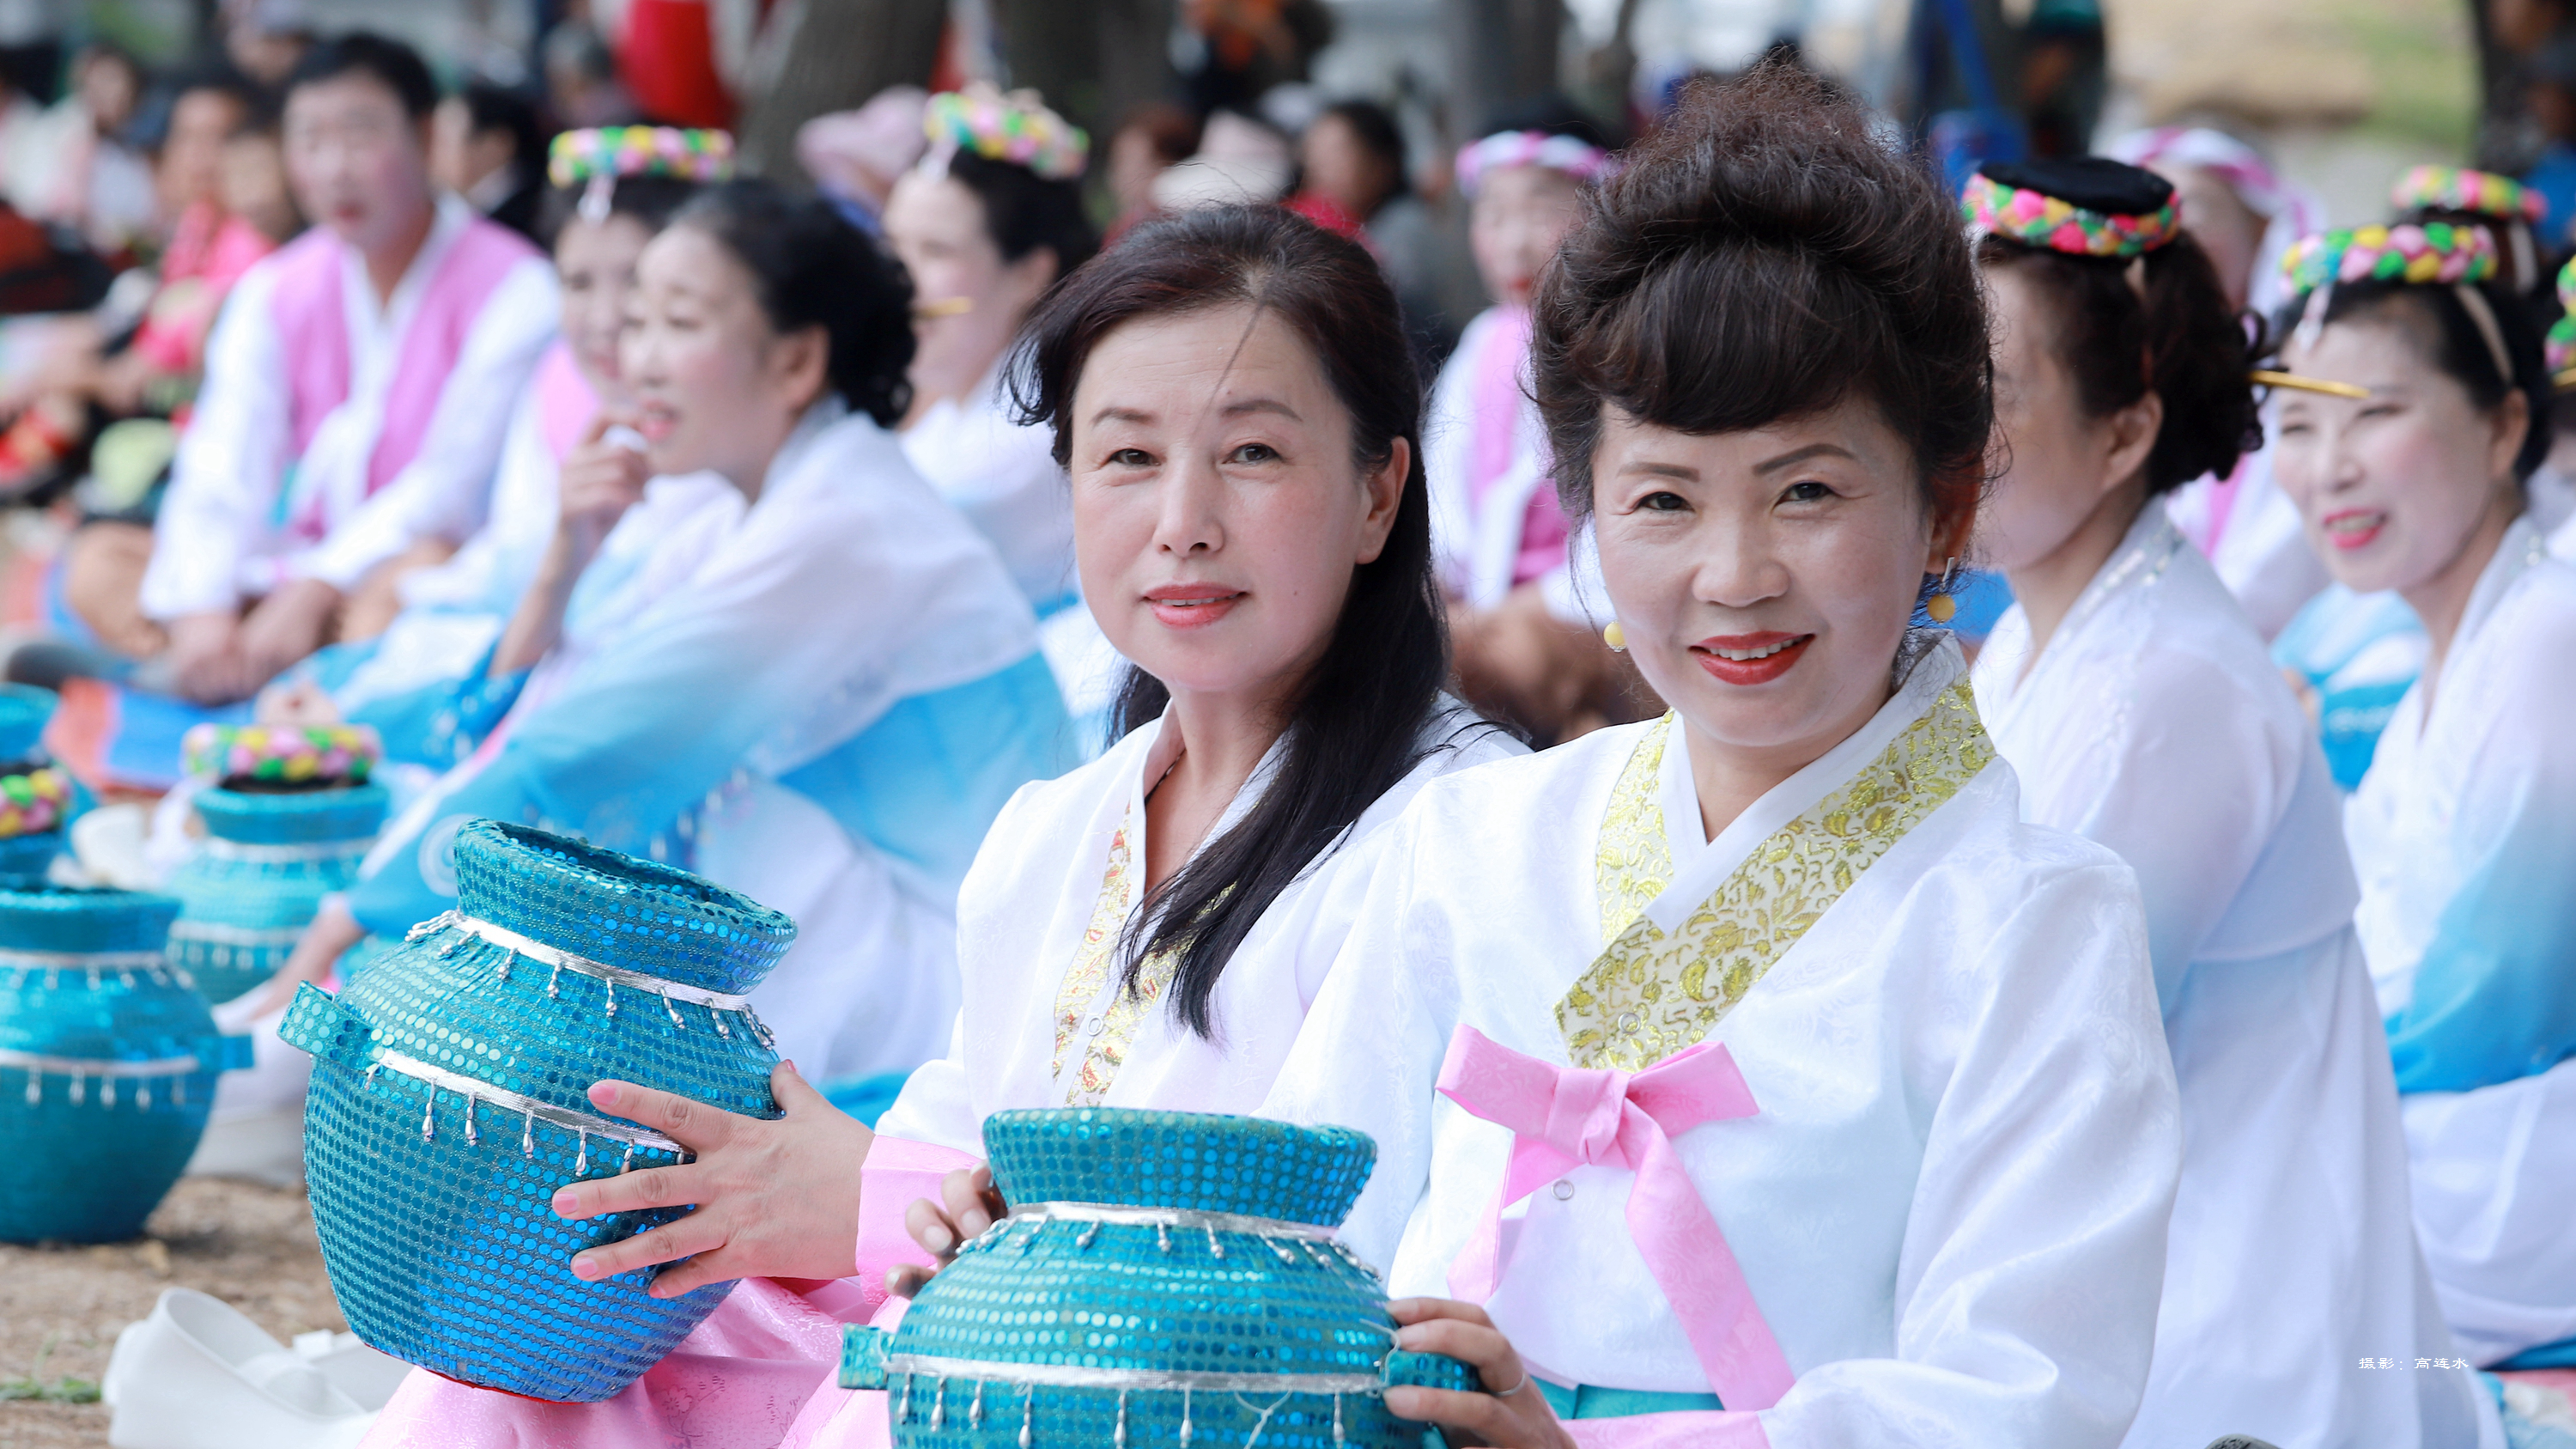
(1812, 1078)
(2139, 708)
(2409, 470)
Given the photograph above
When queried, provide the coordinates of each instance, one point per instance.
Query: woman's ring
(1516, 1388)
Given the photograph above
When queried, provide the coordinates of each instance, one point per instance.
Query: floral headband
(1571, 155)
(1017, 128)
(2035, 218)
(2457, 188)
(602, 156)
(2431, 254)
(618, 153)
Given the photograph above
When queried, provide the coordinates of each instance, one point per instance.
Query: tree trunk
(1500, 51)
(1094, 61)
(831, 55)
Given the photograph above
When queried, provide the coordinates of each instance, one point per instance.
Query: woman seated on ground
(986, 224)
(2139, 708)
(1527, 650)
(2463, 833)
(758, 646)
(1229, 389)
(1787, 960)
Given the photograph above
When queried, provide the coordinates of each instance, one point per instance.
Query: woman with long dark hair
(1239, 416)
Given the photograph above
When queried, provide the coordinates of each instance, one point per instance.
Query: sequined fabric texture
(432, 1198)
(1163, 1313)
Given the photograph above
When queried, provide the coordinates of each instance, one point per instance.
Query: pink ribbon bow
(1564, 1117)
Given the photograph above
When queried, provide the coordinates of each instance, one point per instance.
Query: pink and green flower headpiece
(2430, 253)
(1017, 128)
(2457, 188)
(623, 153)
(2083, 207)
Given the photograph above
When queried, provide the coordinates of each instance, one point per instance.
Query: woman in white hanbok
(758, 647)
(1253, 531)
(987, 225)
(2463, 833)
(2138, 707)
(1760, 1074)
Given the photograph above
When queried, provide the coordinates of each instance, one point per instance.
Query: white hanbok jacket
(2154, 723)
(1043, 1022)
(2464, 837)
(1005, 479)
(1949, 1196)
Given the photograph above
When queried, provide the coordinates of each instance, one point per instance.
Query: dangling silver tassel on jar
(939, 1403)
(429, 1116)
(581, 1156)
(1185, 1418)
(1028, 1413)
(1118, 1437)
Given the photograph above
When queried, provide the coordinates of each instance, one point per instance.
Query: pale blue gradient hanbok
(821, 699)
(2464, 838)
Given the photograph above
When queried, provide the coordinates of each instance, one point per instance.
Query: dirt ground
(61, 1307)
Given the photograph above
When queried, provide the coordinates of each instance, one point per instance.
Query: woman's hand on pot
(967, 1206)
(775, 1198)
(1510, 1414)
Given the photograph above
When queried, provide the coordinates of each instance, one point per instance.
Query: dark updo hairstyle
(811, 268)
(1764, 256)
(1355, 729)
(2438, 323)
(1024, 211)
(2181, 340)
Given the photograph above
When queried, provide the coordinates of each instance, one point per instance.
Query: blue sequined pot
(267, 862)
(447, 1106)
(1164, 1278)
(107, 1063)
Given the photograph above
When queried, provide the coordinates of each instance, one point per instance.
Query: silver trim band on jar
(90, 961)
(97, 1066)
(1079, 1376)
(553, 956)
(215, 847)
(477, 1090)
(215, 933)
(1119, 1215)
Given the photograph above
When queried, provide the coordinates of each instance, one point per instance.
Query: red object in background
(668, 59)
(1325, 212)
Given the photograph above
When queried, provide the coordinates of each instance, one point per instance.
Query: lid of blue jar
(616, 909)
(81, 920)
(1200, 1161)
(296, 817)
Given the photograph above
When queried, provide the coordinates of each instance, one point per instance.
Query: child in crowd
(1526, 648)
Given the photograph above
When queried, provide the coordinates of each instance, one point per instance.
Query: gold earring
(1614, 636)
(1943, 605)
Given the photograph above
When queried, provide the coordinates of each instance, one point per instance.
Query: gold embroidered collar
(1651, 992)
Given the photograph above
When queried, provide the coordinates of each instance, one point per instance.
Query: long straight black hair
(1356, 727)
